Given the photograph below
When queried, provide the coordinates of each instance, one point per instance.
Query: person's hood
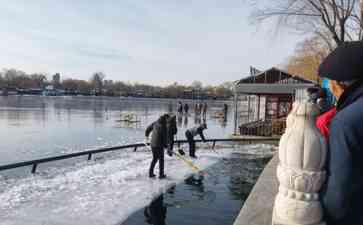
(350, 95)
(161, 120)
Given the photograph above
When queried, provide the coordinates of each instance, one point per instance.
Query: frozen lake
(35, 126)
(113, 188)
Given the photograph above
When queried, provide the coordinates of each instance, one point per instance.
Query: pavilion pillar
(266, 104)
(235, 111)
(302, 154)
(278, 108)
(248, 108)
(258, 107)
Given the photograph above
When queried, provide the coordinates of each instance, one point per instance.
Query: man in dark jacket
(343, 192)
(191, 133)
(158, 143)
(172, 130)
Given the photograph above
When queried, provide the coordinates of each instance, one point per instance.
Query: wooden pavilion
(268, 98)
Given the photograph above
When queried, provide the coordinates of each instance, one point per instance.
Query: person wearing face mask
(343, 191)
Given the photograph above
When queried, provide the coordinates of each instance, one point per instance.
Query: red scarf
(323, 122)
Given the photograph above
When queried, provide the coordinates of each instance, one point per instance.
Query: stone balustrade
(300, 172)
(287, 192)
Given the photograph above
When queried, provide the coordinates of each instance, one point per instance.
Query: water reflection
(186, 118)
(197, 186)
(36, 126)
(195, 201)
(155, 213)
(180, 120)
(224, 120)
(170, 107)
(197, 194)
(197, 119)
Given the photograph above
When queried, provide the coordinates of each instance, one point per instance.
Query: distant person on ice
(225, 109)
(180, 108)
(186, 108)
(205, 108)
(158, 143)
(191, 133)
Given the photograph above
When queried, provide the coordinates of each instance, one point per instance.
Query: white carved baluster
(302, 154)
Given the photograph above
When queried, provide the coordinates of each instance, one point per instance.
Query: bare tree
(97, 80)
(334, 21)
(307, 58)
(197, 84)
(39, 79)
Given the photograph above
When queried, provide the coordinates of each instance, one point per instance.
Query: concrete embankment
(257, 209)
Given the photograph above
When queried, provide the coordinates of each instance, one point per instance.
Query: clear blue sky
(148, 41)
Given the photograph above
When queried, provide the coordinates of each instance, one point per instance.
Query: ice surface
(104, 191)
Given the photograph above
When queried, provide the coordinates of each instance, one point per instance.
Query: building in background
(267, 100)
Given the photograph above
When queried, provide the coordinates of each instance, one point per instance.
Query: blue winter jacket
(343, 192)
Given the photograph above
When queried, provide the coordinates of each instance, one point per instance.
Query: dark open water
(215, 200)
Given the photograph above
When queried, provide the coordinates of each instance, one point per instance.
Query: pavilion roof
(274, 75)
(272, 81)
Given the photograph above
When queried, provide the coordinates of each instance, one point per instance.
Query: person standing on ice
(186, 108)
(205, 108)
(191, 133)
(180, 108)
(172, 130)
(158, 143)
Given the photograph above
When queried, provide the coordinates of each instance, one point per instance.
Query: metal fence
(90, 153)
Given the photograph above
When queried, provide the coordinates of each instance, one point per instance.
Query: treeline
(12, 79)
